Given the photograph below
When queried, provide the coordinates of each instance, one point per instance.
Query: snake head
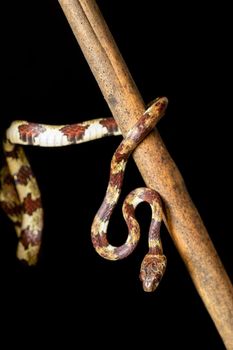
(152, 270)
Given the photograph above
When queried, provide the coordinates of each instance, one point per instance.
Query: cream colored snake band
(21, 200)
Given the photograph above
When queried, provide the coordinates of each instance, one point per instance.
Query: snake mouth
(150, 286)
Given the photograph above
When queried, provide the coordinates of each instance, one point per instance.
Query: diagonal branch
(155, 164)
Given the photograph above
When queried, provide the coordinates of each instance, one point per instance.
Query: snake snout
(150, 283)
(152, 270)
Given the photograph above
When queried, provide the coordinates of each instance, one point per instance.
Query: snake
(21, 199)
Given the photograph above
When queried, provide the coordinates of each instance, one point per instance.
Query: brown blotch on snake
(30, 205)
(29, 131)
(74, 132)
(28, 237)
(110, 124)
(24, 174)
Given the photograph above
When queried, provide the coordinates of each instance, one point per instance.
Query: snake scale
(21, 200)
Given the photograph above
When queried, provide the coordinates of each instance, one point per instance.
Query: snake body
(43, 135)
(21, 200)
(154, 260)
(20, 196)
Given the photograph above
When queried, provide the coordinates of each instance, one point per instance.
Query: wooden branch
(155, 164)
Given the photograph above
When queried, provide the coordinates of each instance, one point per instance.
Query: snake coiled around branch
(154, 263)
(21, 200)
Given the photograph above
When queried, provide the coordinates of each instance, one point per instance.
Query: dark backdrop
(180, 51)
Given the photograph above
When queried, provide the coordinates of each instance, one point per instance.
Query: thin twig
(155, 164)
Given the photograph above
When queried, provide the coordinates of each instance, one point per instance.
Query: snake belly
(154, 263)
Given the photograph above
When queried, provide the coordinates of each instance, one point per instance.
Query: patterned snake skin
(20, 196)
(154, 263)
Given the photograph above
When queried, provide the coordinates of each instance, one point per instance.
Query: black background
(179, 51)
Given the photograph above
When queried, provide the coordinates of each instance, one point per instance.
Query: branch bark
(154, 163)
